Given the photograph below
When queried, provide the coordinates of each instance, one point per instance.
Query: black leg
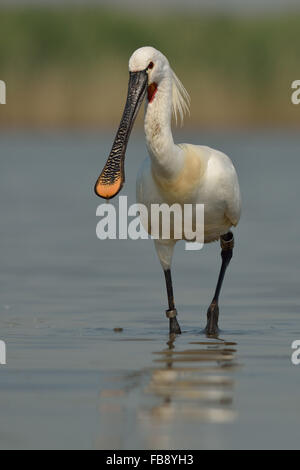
(227, 244)
(172, 312)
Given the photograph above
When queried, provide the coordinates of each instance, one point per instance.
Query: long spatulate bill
(112, 178)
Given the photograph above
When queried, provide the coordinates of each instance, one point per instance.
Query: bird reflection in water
(187, 385)
(193, 383)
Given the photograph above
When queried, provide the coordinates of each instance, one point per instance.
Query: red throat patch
(152, 89)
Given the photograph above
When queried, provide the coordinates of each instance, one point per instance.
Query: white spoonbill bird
(173, 173)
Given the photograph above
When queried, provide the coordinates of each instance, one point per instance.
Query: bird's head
(147, 68)
(150, 61)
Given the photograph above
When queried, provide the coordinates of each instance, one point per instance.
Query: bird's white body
(184, 173)
(173, 177)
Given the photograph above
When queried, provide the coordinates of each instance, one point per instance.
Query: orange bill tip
(108, 190)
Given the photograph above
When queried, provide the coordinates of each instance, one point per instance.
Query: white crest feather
(180, 99)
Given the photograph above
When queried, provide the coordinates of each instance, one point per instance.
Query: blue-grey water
(71, 381)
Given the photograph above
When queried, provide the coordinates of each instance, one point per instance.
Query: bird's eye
(151, 65)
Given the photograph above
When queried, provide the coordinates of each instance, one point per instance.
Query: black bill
(112, 178)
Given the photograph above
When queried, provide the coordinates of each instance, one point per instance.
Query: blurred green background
(68, 66)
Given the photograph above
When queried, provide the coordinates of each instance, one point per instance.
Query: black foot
(174, 325)
(212, 328)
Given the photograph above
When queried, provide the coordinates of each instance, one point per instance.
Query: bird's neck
(166, 157)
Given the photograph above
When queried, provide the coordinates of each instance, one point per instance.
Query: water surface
(71, 381)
